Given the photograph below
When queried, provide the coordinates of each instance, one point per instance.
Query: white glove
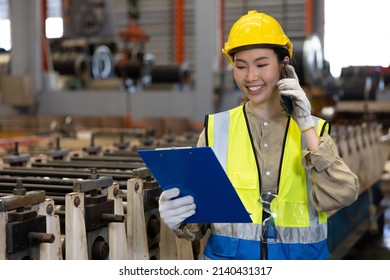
(173, 211)
(301, 106)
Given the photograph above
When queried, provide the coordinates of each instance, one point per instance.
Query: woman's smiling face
(256, 72)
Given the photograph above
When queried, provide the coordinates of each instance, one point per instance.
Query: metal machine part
(152, 217)
(23, 230)
(143, 220)
(360, 83)
(88, 212)
(308, 60)
(102, 63)
(313, 60)
(16, 159)
(70, 62)
(87, 18)
(176, 74)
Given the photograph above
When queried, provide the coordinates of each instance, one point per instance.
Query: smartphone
(285, 101)
(287, 104)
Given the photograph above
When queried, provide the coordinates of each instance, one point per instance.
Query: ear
(286, 61)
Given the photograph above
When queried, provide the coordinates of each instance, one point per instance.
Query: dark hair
(281, 53)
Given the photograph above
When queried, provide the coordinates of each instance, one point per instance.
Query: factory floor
(375, 246)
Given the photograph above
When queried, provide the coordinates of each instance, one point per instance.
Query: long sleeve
(334, 185)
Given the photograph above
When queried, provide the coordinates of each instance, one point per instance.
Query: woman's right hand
(173, 210)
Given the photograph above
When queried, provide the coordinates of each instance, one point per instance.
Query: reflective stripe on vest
(226, 248)
(296, 219)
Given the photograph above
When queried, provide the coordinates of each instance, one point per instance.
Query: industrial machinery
(82, 204)
(89, 51)
(365, 149)
(29, 230)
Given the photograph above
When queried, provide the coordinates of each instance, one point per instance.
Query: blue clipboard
(196, 171)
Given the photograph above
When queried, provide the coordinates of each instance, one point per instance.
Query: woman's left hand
(301, 106)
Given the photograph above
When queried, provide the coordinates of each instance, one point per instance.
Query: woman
(284, 165)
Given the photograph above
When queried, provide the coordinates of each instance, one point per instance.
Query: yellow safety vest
(228, 134)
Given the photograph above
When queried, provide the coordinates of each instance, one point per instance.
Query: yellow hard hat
(256, 28)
